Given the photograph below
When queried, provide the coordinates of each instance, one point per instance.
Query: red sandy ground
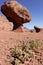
(8, 39)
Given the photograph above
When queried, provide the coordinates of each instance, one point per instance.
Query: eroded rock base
(21, 29)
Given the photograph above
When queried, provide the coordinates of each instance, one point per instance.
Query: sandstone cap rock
(15, 13)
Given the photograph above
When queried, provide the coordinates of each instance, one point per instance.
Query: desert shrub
(31, 31)
(34, 44)
(22, 53)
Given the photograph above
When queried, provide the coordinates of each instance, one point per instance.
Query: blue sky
(36, 11)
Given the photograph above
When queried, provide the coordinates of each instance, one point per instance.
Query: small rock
(37, 28)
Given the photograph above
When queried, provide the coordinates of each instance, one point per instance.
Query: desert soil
(8, 39)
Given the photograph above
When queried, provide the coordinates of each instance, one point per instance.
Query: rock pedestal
(15, 13)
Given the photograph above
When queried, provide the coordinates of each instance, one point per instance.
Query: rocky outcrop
(37, 28)
(4, 24)
(15, 13)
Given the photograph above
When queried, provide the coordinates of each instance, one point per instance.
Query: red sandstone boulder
(37, 28)
(15, 13)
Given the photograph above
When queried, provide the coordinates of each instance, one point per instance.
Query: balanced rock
(37, 28)
(15, 13)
